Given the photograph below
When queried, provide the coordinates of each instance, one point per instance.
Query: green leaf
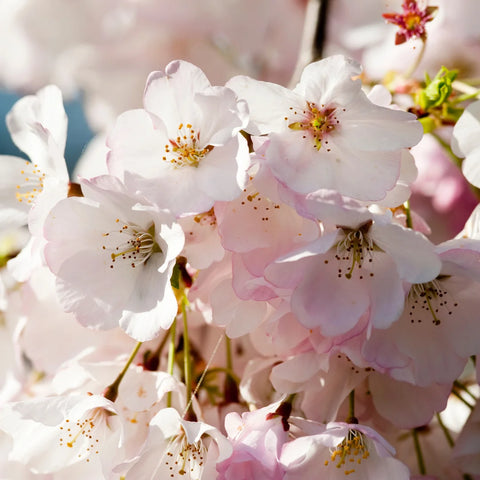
(438, 90)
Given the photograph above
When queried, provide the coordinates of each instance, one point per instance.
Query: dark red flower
(411, 22)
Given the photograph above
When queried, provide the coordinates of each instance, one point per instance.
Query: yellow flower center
(316, 122)
(184, 150)
(349, 453)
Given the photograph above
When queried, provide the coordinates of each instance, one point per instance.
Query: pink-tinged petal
(404, 404)
(95, 300)
(466, 130)
(137, 143)
(229, 118)
(222, 173)
(296, 373)
(466, 450)
(247, 285)
(330, 303)
(366, 176)
(77, 236)
(54, 191)
(471, 166)
(322, 400)
(413, 254)
(298, 165)
(38, 126)
(152, 306)
(173, 192)
(170, 94)
(330, 80)
(268, 103)
(387, 297)
(401, 191)
(331, 208)
(239, 316)
(368, 127)
(255, 221)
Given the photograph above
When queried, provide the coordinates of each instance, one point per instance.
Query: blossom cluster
(239, 284)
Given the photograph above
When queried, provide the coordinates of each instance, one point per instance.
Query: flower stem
(457, 394)
(418, 451)
(111, 392)
(187, 362)
(449, 438)
(171, 356)
(230, 386)
(416, 62)
(462, 387)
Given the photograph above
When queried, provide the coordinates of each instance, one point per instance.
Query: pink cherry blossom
(339, 449)
(356, 267)
(257, 439)
(436, 334)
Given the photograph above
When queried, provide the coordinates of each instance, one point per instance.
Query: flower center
(81, 434)
(352, 249)
(316, 122)
(206, 218)
(32, 184)
(184, 150)
(350, 452)
(413, 21)
(131, 243)
(186, 458)
(431, 298)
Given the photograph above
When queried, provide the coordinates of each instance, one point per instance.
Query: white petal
(412, 253)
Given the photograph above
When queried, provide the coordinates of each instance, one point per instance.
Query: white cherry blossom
(113, 258)
(184, 150)
(326, 133)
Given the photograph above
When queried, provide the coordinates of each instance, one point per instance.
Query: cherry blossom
(257, 438)
(184, 150)
(436, 334)
(326, 133)
(339, 449)
(177, 447)
(358, 267)
(114, 261)
(52, 433)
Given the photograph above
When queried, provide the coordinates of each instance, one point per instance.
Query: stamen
(353, 248)
(32, 185)
(185, 458)
(351, 451)
(131, 243)
(184, 149)
(81, 433)
(432, 298)
(318, 122)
